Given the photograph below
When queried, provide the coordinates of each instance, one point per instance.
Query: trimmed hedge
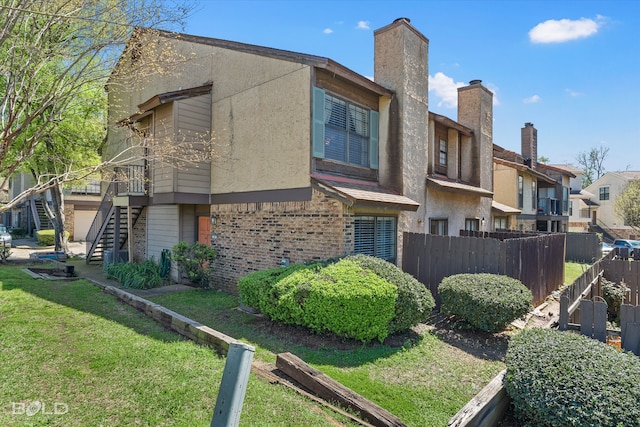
(565, 379)
(48, 237)
(342, 297)
(414, 303)
(488, 302)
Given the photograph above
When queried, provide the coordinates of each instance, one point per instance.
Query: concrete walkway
(23, 249)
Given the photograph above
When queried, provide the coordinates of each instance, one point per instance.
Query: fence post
(563, 322)
(233, 386)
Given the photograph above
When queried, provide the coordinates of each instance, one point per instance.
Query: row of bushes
(358, 297)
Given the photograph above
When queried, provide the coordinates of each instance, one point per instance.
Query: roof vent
(475, 82)
(403, 19)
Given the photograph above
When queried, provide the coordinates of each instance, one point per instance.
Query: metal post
(233, 386)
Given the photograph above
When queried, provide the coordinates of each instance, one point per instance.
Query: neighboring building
(606, 190)
(80, 206)
(536, 193)
(311, 160)
(582, 207)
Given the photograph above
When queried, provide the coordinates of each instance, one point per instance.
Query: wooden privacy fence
(583, 247)
(538, 262)
(581, 303)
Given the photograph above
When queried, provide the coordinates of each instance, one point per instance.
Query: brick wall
(258, 236)
(140, 238)
(69, 212)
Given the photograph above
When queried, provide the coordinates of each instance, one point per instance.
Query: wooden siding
(188, 231)
(163, 130)
(162, 229)
(193, 119)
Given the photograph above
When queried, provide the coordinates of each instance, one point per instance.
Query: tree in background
(628, 204)
(55, 58)
(592, 163)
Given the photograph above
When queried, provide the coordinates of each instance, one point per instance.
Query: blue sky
(571, 67)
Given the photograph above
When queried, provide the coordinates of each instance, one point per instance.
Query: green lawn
(573, 270)
(94, 361)
(423, 383)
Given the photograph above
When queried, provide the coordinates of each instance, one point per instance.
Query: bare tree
(52, 53)
(592, 163)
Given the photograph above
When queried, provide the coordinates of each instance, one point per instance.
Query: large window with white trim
(376, 236)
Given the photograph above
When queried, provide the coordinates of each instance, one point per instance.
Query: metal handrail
(102, 215)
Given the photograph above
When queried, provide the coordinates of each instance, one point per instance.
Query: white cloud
(532, 99)
(558, 31)
(327, 31)
(445, 88)
(363, 25)
(572, 93)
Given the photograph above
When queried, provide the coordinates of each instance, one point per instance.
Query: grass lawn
(424, 382)
(573, 270)
(94, 361)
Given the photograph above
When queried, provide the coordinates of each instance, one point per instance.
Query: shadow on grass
(83, 296)
(220, 311)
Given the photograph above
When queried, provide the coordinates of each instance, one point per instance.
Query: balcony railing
(549, 206)
(132, 180)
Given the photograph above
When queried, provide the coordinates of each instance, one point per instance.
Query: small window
(376, 236)
(443, 153)
(534, 195)
(520, 191)
(604, 193)
(500, 223)
(472, 224)
(439, 226)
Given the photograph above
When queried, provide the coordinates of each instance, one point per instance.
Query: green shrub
(488, 302)
(196, 260)
(255, 289)
(145, 275)
(565, 379)
(414, 302)
(48, 237)
(342, 297)
(614, 294)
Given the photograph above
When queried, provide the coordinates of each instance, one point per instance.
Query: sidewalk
(23, 248)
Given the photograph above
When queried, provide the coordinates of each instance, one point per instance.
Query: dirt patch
(479, 344)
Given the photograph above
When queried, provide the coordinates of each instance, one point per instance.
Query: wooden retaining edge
(485, 409)
(332, 391)
(202, 334)
(189, 328)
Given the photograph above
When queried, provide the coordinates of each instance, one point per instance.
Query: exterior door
(204, 230)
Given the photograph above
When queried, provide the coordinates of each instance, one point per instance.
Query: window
(520, 191)
(343, 131)
(565, 199)
(443, 153)
(472, 224)
(604, 193)
(376, 236)
(534, 195)
(500, 223)
(439, 226)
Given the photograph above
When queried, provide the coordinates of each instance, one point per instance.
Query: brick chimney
(401, 64)
(475, 110)
(529, 139)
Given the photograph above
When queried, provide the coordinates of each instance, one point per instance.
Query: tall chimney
(529, 139)
(475, 111)
(401, 64)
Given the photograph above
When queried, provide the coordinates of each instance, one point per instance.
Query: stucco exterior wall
(258, 236)
(505, 185)
(456, 208)
(260, 114)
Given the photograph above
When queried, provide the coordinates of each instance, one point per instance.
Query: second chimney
(529, 138)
